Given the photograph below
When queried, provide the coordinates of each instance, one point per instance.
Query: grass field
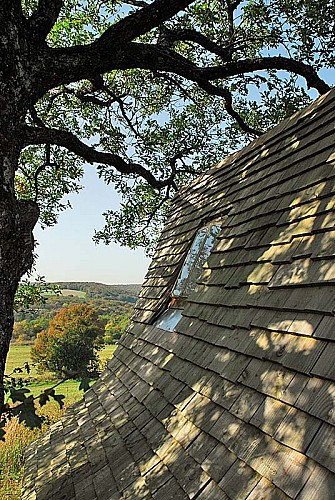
(75, 293)
(19, 354)
(17, 435)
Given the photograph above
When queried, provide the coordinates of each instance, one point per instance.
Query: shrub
(13, 448)
(18, 436)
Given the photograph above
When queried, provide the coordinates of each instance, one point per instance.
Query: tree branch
(71, 64)
(167, 77)
(84, 97)
(121, 104)
(168, 37)
(100, 86)
(66, 139)
(74, 64)
(44, 17)
(87, 63)
(140, 22)
(136, 3)
(156, 209)
(36, 119)
(228, 103)
(172, 62)
(152, 57)
(230, 8)
(244, 66)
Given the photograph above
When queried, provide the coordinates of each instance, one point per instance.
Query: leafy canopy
(200, 82)
(70, 344)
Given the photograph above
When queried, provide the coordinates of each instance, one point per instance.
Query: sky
(66, 251)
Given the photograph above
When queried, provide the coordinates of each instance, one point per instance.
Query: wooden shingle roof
(238, 401)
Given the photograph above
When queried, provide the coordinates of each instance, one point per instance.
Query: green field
(18, 436)
(74, 293)
(18, 355)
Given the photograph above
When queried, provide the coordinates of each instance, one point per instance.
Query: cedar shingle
(324, 454)
(238, 401)
(239, 481)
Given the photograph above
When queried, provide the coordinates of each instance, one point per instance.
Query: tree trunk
(17, 217)
(17, 220)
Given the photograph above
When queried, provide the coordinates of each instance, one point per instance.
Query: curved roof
(238, 401)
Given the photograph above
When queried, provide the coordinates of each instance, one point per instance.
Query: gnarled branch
(244, 66)
(155, 58)
(140, 22)
(169, 37)
(136, 3)
(152, 57)
(85, 62)
(66, 139)
(228, 104)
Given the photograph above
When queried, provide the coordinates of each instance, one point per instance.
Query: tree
(31, 294)
(116, 327)
(145, 89)
(21, 331)
(69, 346)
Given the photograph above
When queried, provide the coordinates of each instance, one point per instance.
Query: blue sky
(66, 251)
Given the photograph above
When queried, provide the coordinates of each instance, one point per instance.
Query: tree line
(113, 314)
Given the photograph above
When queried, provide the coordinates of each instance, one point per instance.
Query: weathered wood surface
(239, 401)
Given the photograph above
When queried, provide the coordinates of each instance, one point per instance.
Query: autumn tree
(70, 344)
(152, 91)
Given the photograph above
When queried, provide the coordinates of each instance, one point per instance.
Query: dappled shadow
(238, 401)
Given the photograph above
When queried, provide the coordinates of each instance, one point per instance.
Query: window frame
(177, 302)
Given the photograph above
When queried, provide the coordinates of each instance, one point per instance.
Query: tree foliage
(34, 293)
(113, 304)
(19, 401)
(162, 90)
(116, 327)
(70, 344)
(92, 290)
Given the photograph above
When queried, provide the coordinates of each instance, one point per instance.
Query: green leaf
(84, 384)
(18, 395)
(26, 412)
(59, 399)
(43, 398)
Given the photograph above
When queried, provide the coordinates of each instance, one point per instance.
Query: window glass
(169, 319)
(196, 257)
(188, 276)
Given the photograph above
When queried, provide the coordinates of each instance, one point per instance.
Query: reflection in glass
(197, 256)
(190, 272)
(169, 319)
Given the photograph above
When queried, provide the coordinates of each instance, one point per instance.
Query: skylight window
(188, 276)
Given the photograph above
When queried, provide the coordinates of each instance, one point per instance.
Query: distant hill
(91, 290)
(113, 303)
